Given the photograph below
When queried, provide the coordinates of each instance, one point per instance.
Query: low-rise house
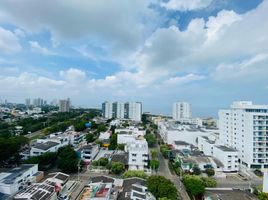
(135, 189)
(226, 155)
(89, 152)
(18, 178)
(40, 148)
(46, 190)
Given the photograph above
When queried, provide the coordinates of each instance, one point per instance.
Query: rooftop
(103, 179)
(225, 148)
(10, 176)
(181, 143)
(128, 186)
(45, 146)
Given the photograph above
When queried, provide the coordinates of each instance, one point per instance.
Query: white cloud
(226, 38)
(8, 42)
(108, 22)
(251, 69)
(185, 5)
(36, 47)
(73, 75)
(178, 80)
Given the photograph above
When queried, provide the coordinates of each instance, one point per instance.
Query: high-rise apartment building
(38, 102)
(64, 105)
(129, 110)
(181, 110)
(245, 127)
(28, 102)
(133, 110)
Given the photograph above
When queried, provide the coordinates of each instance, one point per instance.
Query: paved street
(164, 171)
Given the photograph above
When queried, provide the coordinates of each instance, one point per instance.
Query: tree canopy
(67, 159)
(161, 187)
(194, 185)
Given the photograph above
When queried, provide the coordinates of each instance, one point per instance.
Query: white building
(137, 154)
(265, 182)
(226, 155)
(244, 127)
(89, 152)
(18, 178)
(118, 110)
(133, 110)
(64, 105)
(170, 132)
(181, 110)
(129, 110)
(41, 148)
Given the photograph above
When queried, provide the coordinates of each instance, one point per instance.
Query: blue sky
(207, 52)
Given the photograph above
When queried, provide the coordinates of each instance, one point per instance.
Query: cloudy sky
(207, 52)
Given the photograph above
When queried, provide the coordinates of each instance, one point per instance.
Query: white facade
(226, 155)
(118, 110)
(181, 110)
(41, 148)
(89, 152)
(170, 132)
(245, 127)
(134, 110)
(137, 154)
(129, 110)
(17, 178)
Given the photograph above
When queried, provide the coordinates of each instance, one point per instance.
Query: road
(164, 171)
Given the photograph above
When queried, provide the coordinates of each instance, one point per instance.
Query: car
(63, 197)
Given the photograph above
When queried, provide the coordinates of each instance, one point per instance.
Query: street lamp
(78, 168)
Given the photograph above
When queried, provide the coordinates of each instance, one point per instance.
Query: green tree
(135, 173)
(154, 164)
(194, 185)
(67, 159)
(102, 128)
(90, 137)
(161, 187)
(117, 168)
(210, 172)
(103, 161)
(263, 196)
(164, 149)
(113, 142)
(151, 139)
(154, 154)
(209, 182)
(121, 146)
(196, 170)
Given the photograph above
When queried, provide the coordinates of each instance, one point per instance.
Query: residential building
(46, 190)
(28, 102)
(138, 154)
(118, 110)
(41, 148)
(171, 131)
(129, 110)
(38, 102)
(244, 127)
(135, 189)
(107, 110)
(181, 110)
(226, 155)
(89, 152)
(64, 105)
(18, 178)
(181, 145)
(133, 110)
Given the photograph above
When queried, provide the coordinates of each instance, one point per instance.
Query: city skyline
(208, 53)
